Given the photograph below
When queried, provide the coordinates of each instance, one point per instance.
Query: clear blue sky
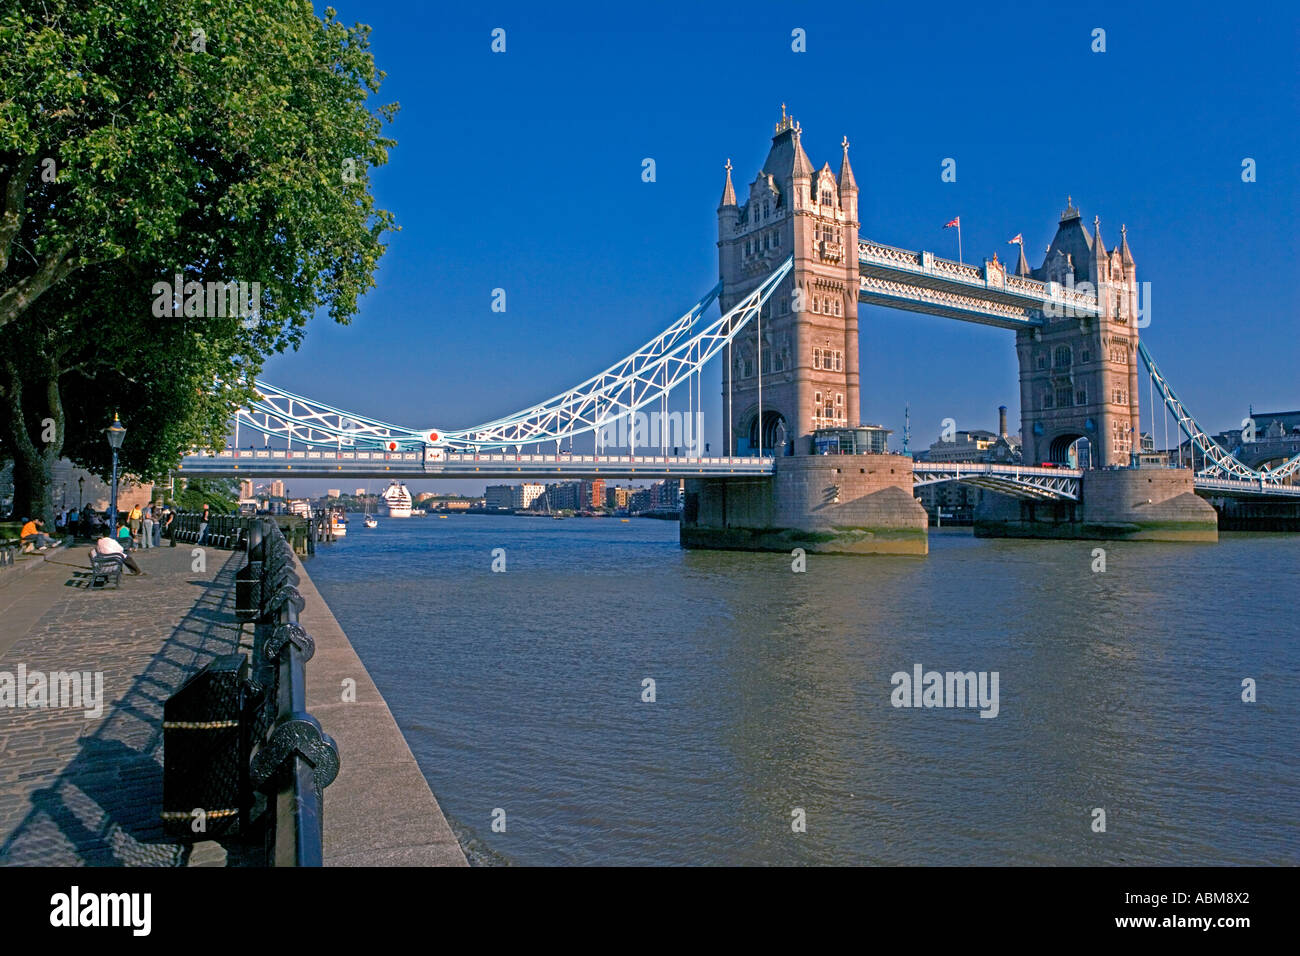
(522, 171)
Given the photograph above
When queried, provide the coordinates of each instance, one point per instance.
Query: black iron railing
(291, 759)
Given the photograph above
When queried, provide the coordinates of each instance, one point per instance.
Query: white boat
(338, 524)
(371, 521)
(398, 500)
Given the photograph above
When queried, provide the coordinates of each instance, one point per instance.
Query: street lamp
(115, 435)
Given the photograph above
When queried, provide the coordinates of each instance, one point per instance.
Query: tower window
(1063, 396)
(827, 197)
(1042, 361)
(1062, 356)
(817, 358)
(1081, 396)
(1047, 400)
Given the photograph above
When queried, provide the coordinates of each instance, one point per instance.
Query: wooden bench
(103, 567)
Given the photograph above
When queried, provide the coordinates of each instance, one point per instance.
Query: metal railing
(292, 759)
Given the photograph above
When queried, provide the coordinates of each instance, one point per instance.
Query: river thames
(1118, 690)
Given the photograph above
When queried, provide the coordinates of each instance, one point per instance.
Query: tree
(215, 140)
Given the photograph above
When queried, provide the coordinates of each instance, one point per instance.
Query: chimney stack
(1002, 421)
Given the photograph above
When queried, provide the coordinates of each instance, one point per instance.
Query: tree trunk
(34, 460)
(32, 483)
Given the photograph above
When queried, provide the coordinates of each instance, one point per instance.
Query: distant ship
(398, 500)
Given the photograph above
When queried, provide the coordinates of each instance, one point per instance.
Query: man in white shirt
(110, 548)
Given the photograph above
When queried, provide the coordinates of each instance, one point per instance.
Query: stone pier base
(1138, 504)
(829, 504)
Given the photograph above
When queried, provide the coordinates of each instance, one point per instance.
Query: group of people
(142, 526)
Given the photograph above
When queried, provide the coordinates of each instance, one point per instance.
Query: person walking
(203, 526)
(157, 529)
(133, 520)
(146, 527)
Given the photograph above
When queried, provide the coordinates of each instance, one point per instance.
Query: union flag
(955, 223)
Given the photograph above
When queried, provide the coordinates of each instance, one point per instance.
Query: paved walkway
(87, 790)
(78, 790)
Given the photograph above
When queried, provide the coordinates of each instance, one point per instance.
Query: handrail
(292, 759)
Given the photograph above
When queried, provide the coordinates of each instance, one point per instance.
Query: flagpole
(959, 258)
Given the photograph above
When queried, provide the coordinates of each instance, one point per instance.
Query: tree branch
(11, 215)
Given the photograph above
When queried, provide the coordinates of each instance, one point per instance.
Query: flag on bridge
(955, 222)
(1017, 239)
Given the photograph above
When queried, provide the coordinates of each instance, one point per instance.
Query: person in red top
(32, 534)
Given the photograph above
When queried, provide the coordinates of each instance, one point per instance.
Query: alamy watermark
(674, 430)
(32, 690)
(923, 688)
(196, 299)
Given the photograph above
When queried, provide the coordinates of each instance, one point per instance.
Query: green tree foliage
(215, 139)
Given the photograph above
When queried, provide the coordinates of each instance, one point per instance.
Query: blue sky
(522, 171)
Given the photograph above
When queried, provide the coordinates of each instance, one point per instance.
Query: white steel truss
(1035, 484)
(1218, 463)
(637, 381)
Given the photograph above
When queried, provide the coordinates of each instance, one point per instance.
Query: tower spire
(847, 181)
(1124, 252)
(728, 191)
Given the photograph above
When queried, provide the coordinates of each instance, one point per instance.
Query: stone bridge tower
(1079, 374)
(809, 347)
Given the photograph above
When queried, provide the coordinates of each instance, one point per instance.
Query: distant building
(359, 493)
(333, 492)
(246, 488)
(618, 497)
(525, 494)
(666, 495)
(952, 501)
(562, 496)
(277, 489)
(592, 493)
(499, 497)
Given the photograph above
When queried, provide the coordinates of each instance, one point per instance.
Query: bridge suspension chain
(639, 380)
(1217, 461)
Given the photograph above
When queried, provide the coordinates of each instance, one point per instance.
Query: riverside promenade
(79, 789)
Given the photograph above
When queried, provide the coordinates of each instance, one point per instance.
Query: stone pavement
(79, 790)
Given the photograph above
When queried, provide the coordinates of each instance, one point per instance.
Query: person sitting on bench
(108, 547)
(33, 535)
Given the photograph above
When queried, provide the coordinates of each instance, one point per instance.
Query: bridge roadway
(379, 464)
(1018, 481)
(991, 294)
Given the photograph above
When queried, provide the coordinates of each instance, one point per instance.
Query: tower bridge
(793, 271)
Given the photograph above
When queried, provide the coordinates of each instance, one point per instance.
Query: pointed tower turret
(1124, 254)
(1100, 264)
(728, 191)
(848, 185)
(1022, 267)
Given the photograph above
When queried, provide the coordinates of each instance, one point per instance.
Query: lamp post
(81, 493)
(115, 435)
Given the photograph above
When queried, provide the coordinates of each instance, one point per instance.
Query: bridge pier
(1133, 504)
(828, 504)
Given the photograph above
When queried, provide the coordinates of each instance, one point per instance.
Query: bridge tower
(1079, 373)
(809, 345)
